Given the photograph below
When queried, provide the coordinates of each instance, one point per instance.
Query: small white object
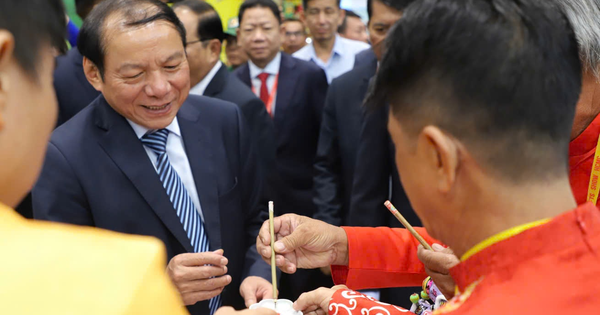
(282, 307)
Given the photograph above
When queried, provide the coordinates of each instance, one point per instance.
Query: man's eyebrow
(127, 66)
(174, 56)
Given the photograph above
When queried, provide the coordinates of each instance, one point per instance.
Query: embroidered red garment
(553, 268)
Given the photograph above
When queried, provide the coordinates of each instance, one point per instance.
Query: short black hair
(501, 76)
(84, 7)
(135, 13)
(210, 25)
(305, 3)
(269, 4)
(398, 5)
(33, 24)
(344, 25)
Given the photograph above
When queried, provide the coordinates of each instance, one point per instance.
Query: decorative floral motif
(348, 302)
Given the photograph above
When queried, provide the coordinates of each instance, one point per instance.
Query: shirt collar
(141, 131)
(338, 49)
(271, 68)
(200, 88)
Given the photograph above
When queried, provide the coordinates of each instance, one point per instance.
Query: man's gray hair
(584, 16)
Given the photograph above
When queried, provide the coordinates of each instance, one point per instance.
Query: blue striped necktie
(186, 210)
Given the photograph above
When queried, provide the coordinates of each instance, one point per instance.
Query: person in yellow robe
(49, 268)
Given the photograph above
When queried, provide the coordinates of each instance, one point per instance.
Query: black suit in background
(338, 140)
(228, 87)
(97, 173)
(376, 180)
(298, 110)
(73, 91)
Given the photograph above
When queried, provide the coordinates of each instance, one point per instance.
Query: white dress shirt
(177, 158)
(273, 70)
(199, 88)
(341, 59)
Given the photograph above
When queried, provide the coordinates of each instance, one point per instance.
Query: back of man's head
(584, 16)
(501, 76)
(130, 14)
(33, 24)
(209, 22)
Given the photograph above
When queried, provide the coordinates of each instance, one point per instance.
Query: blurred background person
(333, 53)
(294, 35)
(353, 27)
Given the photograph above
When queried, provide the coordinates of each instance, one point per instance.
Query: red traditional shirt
(581, 158)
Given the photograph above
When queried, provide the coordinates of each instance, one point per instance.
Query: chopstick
(407, 225)
(273, 266)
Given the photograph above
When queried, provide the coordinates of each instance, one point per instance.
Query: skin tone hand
(304, 243)
(437, 265)
(316, 302)
(199, 276)
(228, 310)
(254, 289)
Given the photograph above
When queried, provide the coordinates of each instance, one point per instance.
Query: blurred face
(28, 112)
(146, 76)
(199, 55)
(234, 52)
(260, 35)
(294, 36)
(382, 19)
(355, 29)
(323, 17)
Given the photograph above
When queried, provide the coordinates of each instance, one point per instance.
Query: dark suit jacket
(375, 171)
(97, 173)
(298, 110)
(366, 56)
(338, 142)
(228, 87)
(73, 90)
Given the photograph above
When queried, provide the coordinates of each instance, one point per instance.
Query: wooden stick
(407, 225)
(273, 266)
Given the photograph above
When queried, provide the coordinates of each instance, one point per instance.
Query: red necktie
(264, 90)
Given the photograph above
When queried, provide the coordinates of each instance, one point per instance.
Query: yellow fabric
(500, 237)
(50, 268)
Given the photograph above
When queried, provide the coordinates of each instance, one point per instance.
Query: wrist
(341, 247)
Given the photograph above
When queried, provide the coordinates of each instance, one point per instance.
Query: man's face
(146, 76)
(323, 17)
(234, 52)
(260, 34)
(355, 29)
(294, 36)
(28, 111)
(382, 19)
(199, 56)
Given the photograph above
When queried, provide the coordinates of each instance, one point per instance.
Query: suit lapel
(244, 75)
(126, 150)
(198, 141)
(288, 79)
(218, 81)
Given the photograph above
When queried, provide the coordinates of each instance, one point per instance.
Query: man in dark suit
(209, 77)
(144, 158)
(293, 91)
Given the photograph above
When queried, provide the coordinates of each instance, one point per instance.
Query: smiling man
(144, 158)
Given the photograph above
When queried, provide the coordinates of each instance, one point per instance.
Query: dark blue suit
(299, 104)
(228, 87)
(338, 141)
(73, 91)
(97, 173)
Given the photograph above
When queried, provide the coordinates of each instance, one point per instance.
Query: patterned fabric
(186, 211)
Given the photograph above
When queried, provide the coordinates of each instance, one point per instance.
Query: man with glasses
(294, 35)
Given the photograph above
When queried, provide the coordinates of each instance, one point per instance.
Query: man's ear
(215, 47)
(92, 73)
(7, 46)
(443, 154)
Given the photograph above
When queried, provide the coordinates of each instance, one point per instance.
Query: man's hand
(228, 310)
(437, 265)
(316, 302)
(199, 276)
(304, 243)
(254, 289)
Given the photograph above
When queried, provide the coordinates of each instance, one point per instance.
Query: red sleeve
(381, 258)
(348, 302)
